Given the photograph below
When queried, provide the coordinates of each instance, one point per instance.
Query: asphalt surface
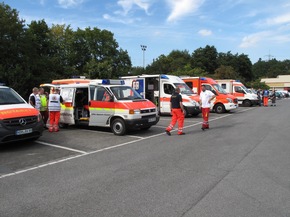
(239, 167)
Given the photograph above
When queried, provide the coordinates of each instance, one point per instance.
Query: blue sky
(257, 28)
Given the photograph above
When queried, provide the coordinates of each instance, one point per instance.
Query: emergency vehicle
(18, 119)
(223, 101)
(104, 103)
(159, 88)
(236, 88)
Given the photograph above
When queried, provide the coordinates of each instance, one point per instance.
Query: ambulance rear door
(67, 109)
(138, 84)
(165, 95)
(101, 105)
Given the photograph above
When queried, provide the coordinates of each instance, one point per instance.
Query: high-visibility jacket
(43, 103)
(54, 102)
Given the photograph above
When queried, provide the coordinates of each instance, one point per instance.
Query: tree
(225, 72)
(205, 58)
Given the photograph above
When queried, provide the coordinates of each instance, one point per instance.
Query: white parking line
(101, 150)
(61, 147)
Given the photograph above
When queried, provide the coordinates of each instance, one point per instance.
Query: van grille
(24, 121)
(144, 111)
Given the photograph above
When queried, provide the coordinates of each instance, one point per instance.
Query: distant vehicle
(236, 88)
(159, 88)
(18, 119)
(222, 103)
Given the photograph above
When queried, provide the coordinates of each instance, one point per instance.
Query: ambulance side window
(168, 88)
(99, 93)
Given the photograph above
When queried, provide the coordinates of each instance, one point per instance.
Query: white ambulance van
(159, 88)
(238, 89)
(18, 119)
(104, 103)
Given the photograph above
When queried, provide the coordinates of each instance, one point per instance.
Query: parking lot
(77, 141)
(239, 167)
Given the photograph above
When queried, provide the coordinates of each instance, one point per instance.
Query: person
(34, 98)
(206, 96)
(54, 107)
(43, 105)
(177, 112)
(273, 98)
(265, 97)
(106, 97)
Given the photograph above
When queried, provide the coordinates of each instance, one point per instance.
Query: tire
(118, 127)
(247, 103)
(185, 112)
(219, 108)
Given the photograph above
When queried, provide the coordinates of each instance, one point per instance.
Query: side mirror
(214, 92)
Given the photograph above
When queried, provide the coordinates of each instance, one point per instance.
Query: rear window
(9, 96)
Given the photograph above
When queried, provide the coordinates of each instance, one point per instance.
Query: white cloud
(69, 3)
(117, 19)
(127, 5)
(205, 32)
(285, 18)
(182, 8)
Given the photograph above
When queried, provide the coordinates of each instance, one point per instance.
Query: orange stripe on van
(18, 112)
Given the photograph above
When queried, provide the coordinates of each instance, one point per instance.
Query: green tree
(205, 58)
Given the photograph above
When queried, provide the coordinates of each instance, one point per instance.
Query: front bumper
(230, 106)
(193, 110)
(9, 134)
(143, 122)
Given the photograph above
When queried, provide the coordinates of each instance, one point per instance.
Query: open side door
(138, 84)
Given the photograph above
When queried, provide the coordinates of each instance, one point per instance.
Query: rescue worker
(54, 107)
(177, 112)
(206, 96)
(265, 97)
(43, 105)
(34, 98)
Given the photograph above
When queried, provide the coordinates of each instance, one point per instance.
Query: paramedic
(54, 107)
(177, 112)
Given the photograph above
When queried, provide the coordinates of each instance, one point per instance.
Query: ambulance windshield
(184, 89)
(9, 96)
(219, 89)
(125, 93)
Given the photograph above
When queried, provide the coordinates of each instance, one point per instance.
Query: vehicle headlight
(230, 100)
(134, 111)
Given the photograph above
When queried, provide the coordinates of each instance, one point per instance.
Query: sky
(257, 28)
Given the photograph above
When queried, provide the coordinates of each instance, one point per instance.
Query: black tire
(219, 108)
(185, 112)
(118, 127)
(247, 103)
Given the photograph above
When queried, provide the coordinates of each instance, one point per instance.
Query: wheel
(219, 108)
(247, 103)
(118, 127)
(185, 112)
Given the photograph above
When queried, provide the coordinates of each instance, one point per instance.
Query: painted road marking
(61, 147)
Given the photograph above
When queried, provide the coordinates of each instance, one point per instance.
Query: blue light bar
(113, 82)
(163, 77)
(203, 79)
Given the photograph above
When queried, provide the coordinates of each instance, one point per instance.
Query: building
(282, 82)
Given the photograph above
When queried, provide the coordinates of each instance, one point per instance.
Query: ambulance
(159, 88)
(104, 103)
(236, 88)
(18, 119)
(223, 101)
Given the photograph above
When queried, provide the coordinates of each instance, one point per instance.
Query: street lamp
(143, 47)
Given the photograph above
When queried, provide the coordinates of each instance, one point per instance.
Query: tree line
(31, 54)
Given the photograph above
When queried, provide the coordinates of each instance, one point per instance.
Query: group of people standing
(177, 109)
(49, 106)
(264, 96)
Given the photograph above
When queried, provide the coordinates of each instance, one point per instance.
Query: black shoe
(202, 128)
(180, 134)
(167, 132)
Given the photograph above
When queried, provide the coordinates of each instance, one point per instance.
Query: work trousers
(44, 115)
(177, 116)
(53, 121)
(265, 101)
(205, 116)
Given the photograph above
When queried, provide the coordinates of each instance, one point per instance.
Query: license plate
(152, 119)
(21, 132)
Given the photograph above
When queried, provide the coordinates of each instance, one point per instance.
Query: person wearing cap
(177, 112)
(206, 97)
(54, 107)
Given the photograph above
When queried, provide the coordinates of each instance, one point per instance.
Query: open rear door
(138, 84)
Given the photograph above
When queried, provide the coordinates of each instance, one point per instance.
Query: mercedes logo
(22, 121)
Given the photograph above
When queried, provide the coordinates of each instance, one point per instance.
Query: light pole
(143, 47)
